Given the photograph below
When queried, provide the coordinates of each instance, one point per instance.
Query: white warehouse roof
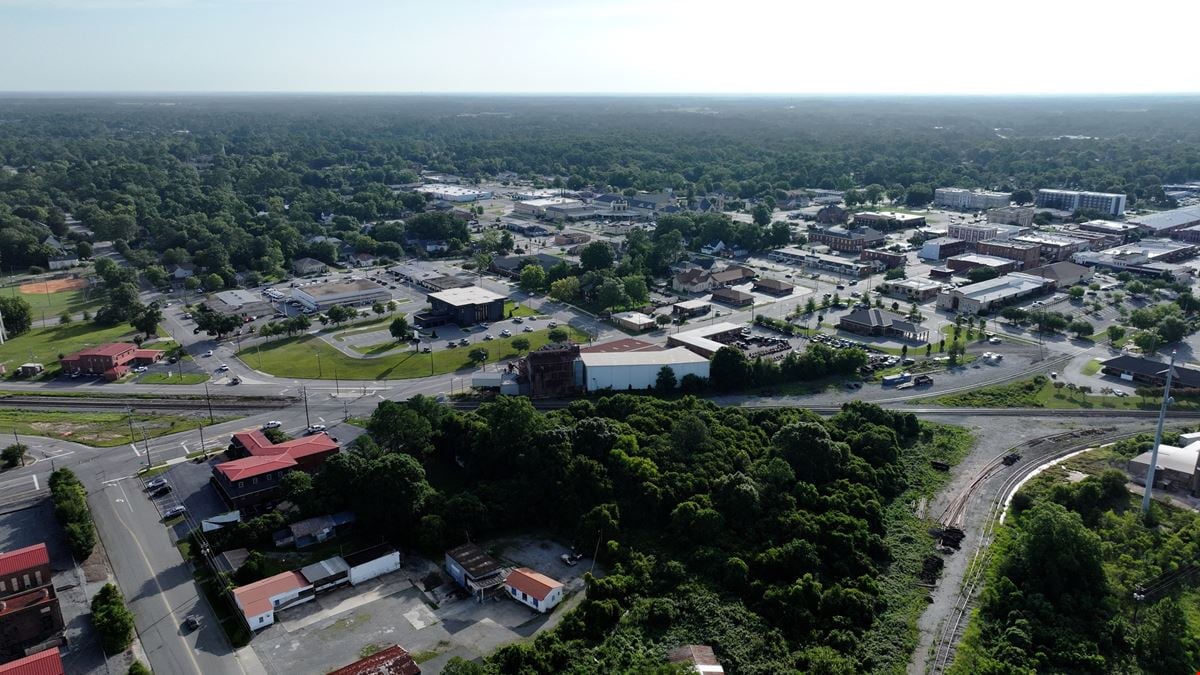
(471, 295)
(667, 357)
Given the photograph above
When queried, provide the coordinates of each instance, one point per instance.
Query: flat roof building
(792, 255)
(1163, 223)
(1025, 253)
(942, 248)
(970, 200)
(622, 371)
(887, 221)
(914, 290)
(453, 193)
(353, 293)
(707, 340)
(988, 295)
(1072, 201)
(1012, 215)
(849, 239)
(1111, 227)
(1055, 246)
(463, 306)
(634, 321)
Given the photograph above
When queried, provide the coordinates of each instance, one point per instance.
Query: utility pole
(146, 444)
(203, 447)
(132, 438)
(337, 388)
(1162, 417)
(209, 400)
(304, 395)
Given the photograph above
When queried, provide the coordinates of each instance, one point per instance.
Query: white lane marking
(35, 483)
(127, 503)
(135, 450)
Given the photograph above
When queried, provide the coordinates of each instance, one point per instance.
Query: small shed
(372, 562)
(30, 369)
(474, 570)
(534, 589)
(327, 574)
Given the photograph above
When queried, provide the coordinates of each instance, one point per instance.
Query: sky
(964, 47)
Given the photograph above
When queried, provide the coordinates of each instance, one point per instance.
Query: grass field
(298, 357)
(513, 309)
(53, 304)
(99, 429)
(43, 345)
(172, 378)
(1034, 394)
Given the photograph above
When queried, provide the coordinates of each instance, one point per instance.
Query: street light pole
(1162, 416)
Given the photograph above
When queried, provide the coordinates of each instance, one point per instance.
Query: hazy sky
(644, 46)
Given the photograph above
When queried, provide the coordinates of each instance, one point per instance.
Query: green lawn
(513, 309)
(43, 345)
(54, 304)
(99, 429)
(1092, 367)
(366, 327)
(172, 378)
(297, 357)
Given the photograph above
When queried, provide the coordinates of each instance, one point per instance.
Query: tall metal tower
(1162, 417)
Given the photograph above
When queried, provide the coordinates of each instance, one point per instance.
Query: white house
(260, 600)
(534, 589)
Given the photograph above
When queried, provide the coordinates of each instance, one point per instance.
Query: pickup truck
(922, 380)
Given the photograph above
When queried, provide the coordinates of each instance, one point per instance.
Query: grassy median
(310, 357)
(98, 429)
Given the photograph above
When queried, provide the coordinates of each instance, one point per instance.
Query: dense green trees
(17, 316)
(71, 510)
(113, 621)
(776, 517)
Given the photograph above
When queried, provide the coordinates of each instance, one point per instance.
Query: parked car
(156, 483)
(528, 329)
(552, 324)
(273, 424)
(208, 353)
(140, 369)
(174, 511)
(464, 342)
(160, 490)
(192, 622)
(506, 333)
(489, 336)
(518, 319)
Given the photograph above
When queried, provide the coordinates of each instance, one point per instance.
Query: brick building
(841, 238)
(111, 360)
(256, 477)
(550, 370)
(29, 606)
(1027, 254)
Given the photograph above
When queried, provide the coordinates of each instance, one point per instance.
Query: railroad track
(951, 630)
(83, 403)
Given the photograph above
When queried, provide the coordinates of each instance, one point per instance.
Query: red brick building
(256, 477)
(112, 360)
(29, 606)
(24, 569)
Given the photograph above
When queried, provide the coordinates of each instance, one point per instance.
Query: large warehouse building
(622, 371)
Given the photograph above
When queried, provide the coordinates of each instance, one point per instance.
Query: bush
(13, 454)
(71, 510)
(138, 668)
(113, 621)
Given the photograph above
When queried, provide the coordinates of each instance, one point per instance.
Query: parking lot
(418, 608)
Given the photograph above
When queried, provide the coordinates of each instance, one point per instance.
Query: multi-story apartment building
(1071, 200)
(1011, 215)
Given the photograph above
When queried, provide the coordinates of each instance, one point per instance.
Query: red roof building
(260, 600)
(394, 660)
(23, 569)
(112, 360)
(256, 478)
(41, 663)
(534, 589)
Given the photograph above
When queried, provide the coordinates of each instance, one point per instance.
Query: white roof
(635, 317)
(1182, 460)
(551, 201)
(1001, 287)
(691, 304)
(471, 295)
(666, 357)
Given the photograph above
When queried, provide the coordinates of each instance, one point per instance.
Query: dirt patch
(53, 286)
(94, 568)
(71, 430)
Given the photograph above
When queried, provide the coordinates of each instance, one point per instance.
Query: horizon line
(585, 94)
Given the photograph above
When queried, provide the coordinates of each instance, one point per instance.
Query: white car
(528, 329)
(506, 333)
(273, 424)
(315, 428)
(208, 353)
(222, 368)
(140, 369)
(489, 336)
(994, 340)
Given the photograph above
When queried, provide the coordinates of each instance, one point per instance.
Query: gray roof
(1168, 219)
(325, 569)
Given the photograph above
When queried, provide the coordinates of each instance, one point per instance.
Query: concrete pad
(343, 600)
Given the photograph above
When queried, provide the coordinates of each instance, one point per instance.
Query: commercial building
(549, 370)
(112, 360)
(479, 573)
(326, 575)
(914, 290)
(1062, 274)
(792, 255)
(706, 340)
(1134, 261)
(622, 371)
(942, 248)
(351, 293)
(1175, 469)
(371, 562)
(453, 193)
(636, 322)
(774, 287)
(691, 308)
(843, 238)
(24, 569)
(394, 660)
(1025, 253)
(1096, 240)
(536, 208)
(732, 297)
(463, 306)
(533, 589)
(28, 619)
(888, 259)
(571, 238)
(963, 199)
(699, 280)
(832, 214)
(887, 221)
(1071, 200)
(1110, 227)
(511, 265)
(47, 662)
(1163, 223)
(260, 600)
(973, 232)
(1055, 246)
(993, 293)
(1021, 216)
(256, 477)
(882, 323)
(1149, 372)
(239, 302)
